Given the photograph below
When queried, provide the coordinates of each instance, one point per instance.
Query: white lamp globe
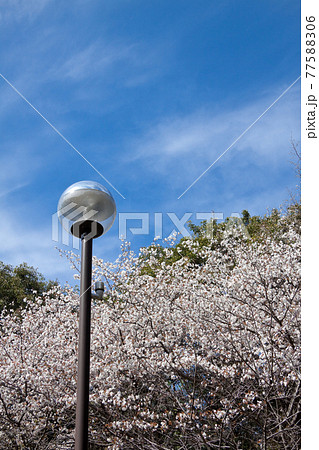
(86, 207)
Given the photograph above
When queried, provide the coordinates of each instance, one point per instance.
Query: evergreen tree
(19, 284)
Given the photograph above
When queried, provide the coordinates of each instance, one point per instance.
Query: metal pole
(82, 401)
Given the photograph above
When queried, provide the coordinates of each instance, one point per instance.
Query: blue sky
(151, 93)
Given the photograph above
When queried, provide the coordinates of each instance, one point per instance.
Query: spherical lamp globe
(86, 208)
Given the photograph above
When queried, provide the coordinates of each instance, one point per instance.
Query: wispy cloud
(15, 10)
(61, 135)
(197, 139)
(238, 138)
(92, 60)
(127, 63)
(19, 164)
(32, 244)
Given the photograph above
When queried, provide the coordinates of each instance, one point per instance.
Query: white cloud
(92, 60)
(128, 63)
(202, 137)
(24, 243)
(18, 166)
(15, 10)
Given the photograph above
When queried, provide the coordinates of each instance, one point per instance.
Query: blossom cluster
(191, 356)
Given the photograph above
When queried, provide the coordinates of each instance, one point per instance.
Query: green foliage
(253, 228)
(211, 234)
(275, 224)
(17, 284)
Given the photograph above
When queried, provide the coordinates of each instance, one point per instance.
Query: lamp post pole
(82, 406)
(86, 210)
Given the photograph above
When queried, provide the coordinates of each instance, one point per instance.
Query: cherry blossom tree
(192, 354)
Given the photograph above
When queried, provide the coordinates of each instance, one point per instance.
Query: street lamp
(87, 210)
